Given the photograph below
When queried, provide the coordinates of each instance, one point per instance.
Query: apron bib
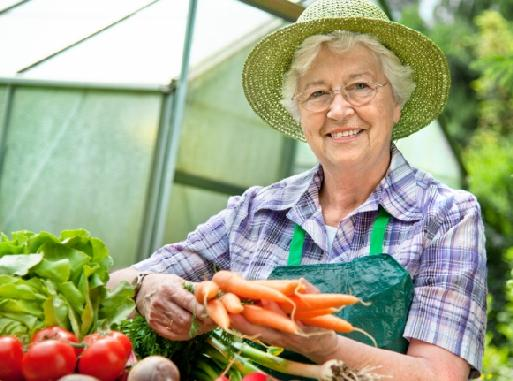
(377, 279)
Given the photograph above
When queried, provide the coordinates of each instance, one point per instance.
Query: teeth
(341, 134)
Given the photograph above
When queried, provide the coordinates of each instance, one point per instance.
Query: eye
(317, 94)
(358, 86)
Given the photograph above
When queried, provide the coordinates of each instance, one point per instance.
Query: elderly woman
(347, 80)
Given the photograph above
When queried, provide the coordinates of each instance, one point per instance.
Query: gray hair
(339, 41)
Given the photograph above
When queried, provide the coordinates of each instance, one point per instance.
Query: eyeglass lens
(356, 94)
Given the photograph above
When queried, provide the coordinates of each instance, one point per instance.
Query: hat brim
(267, 63)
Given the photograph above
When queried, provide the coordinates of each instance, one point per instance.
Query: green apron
(377, 279)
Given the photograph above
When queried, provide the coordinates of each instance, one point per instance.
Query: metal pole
(5, 127)
(144, 246)
(48, 83)
(173, 138)
(287, 10)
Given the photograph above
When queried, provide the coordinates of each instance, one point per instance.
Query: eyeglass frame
(343, 93)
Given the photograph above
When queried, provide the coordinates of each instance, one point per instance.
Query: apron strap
(378, 231)
(377, 238)
(296, 247)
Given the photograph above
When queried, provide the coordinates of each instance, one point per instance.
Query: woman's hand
(169, 308)
(314, 343)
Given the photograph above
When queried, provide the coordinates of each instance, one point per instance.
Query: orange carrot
(273, 306)
(260, 316)
(232, 303)
(329, 322)
(307, 314)
(206, 290)
(318, 301)
(232, 282)
(286, 287)
(218, 314)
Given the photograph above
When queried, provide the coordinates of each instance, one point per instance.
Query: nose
(339, 107)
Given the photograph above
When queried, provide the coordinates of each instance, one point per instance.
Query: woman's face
(345, 135)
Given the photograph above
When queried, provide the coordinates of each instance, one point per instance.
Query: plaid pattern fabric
(435, 232)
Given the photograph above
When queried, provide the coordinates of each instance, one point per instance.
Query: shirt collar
(397, 192)
(298, 189)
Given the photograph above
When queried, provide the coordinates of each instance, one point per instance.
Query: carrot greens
(204, 358)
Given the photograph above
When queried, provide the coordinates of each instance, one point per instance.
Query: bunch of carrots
(278, 304)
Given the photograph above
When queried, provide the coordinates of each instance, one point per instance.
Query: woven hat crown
(323, 9)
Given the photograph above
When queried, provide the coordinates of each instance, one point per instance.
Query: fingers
(173, 289)
(169, 320)
(174, 322)
(313, 343)
(170, 309)
(239, 323)
(273, 306)
(267, 335)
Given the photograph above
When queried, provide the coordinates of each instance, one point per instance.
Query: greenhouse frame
(131, 122)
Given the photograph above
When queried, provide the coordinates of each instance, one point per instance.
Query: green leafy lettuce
(47, 280)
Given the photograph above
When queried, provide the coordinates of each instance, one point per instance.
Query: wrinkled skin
(169, 308)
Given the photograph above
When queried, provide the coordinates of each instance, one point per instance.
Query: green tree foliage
(495, 61)
(455, 34)
(478, 41)
(489, 158)
(448, 9)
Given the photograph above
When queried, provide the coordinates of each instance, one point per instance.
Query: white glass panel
(4, 4)
(429, 150)
(190, 207)
(39, 28)
(80, 159)
(222, 138)
(220, 23)
(147, 47)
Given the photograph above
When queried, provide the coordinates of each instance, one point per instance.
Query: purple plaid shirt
(435, 232)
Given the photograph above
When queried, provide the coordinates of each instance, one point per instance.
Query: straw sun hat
(270, 59)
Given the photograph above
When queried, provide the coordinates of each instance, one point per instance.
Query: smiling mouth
(346, 133)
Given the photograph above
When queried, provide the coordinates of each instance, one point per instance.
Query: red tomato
(255, 376)
(123, 376)
(56, 333)
(48, 360)
(118, 336)
(222, 378)
(104, 358)
(123, 339)
(11, 355)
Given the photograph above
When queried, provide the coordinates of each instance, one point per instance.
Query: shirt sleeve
(449, 305)
(205, 250)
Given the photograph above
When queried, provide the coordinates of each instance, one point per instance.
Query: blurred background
(127, 118)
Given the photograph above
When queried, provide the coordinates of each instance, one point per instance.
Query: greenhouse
(95, 134)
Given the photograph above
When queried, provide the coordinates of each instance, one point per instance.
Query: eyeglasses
(319, 99)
